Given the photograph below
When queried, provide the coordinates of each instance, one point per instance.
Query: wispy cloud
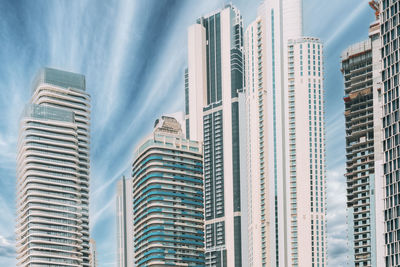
(99, 214)
(345, 24)
(133, 54)
(336, 190)
(124, 32)
(340, 24)
(336, 216)
(7, 247)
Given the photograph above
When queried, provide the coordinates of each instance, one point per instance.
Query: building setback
(53, 173)
(285, 140)
(168, 209)
(212, 83)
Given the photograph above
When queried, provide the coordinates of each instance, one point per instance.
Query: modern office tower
(168, 209)
(213, 79)
(389, 30)
(53, 173)
(125, 246)
(363, 114)
(285, 140)
(93, 253)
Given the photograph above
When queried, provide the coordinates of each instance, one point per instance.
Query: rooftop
(356, 49)
(168, 125)
(60, 78)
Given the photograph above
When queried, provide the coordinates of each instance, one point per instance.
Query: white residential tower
(212, 83)
(53, 173)
(124, 223)
(285, 140)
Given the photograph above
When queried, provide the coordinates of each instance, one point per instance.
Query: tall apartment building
(212, 82)
(285, 140)
(389, 30)
(363, 114)
(125, 246)
(93, 253)
(53, 172)
(168, 206)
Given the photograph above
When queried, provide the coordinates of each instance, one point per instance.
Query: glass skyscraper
(212, 83)
(53, 173)
(168, 206)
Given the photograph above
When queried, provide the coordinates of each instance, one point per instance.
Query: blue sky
(133, 54)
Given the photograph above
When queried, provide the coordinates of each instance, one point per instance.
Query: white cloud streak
(124, 31)
(336, 216)
(97, 38)
(106, 209)
(346, 23)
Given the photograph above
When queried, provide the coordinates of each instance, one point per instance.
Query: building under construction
(363, 116)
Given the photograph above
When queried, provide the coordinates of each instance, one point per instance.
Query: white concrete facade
(284, 203)
(214, 78)
(259, 215)
(378, 255)
(197, 78)
(93, 262)
(124, 208)
(306, 153)
(53, 173)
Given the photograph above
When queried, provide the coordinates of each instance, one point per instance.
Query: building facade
(168, 202)
(389, 25)
(53, 172)
(124, 208)
(93, 253)
(212, 83)
(363, 115)
(285, 140)
(259, 210)
(306, 153)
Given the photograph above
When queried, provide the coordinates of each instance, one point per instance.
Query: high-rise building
(363, 114)
(212, 83)
(93, 253)
(124, 223)
(285, 140)
(389, 30)
(53, 172)
(168, 207)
